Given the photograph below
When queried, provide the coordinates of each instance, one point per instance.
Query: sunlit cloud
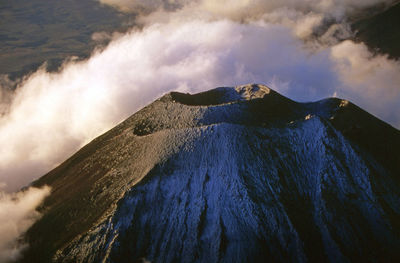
(17, 214)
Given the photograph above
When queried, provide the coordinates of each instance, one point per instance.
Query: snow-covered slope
(231, 175)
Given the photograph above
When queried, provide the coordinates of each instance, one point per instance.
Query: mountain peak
(227, 175)
(252, 91)
(223, 95)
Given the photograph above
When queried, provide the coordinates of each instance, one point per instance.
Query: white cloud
(17, 214)
(373, 81)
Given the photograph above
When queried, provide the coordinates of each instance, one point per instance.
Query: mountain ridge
(91, 189)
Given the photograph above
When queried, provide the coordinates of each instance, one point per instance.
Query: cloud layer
(372, 81)
(193, 47)
(17, 214)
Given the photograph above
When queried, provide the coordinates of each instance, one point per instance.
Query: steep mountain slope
(228, 175)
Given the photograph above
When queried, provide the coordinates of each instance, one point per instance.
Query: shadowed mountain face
(380, 32)
(230, 175)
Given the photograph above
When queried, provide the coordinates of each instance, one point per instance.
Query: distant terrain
(35, 31)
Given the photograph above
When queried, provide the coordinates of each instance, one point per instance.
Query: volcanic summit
(238, 174)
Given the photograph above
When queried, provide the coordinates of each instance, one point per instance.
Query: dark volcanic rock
(381, 31)
(230, 175)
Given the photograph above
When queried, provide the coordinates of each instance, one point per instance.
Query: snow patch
(344, 103)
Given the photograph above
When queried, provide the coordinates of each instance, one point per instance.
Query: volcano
(239, 174)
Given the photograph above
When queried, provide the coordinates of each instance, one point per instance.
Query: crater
(222, 95)
(143, 128)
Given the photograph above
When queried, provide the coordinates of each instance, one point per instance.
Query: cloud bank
(17, 214)
(191, 46)
(372, 81)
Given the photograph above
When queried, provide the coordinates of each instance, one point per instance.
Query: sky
(297, 48)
